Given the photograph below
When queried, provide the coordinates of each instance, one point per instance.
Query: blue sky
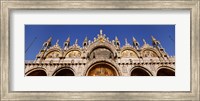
(36, 35)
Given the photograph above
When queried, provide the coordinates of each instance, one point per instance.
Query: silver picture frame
(8, 5)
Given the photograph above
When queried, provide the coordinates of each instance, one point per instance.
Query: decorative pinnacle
(144, 41)
(134, 39)
(49, 40)
(153, 38)
(68, 39)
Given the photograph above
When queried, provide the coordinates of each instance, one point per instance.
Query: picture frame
(8, 6)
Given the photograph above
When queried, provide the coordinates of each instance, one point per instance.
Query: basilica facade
(101, 57)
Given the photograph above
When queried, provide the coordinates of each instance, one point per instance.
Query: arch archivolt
(97, 44)
(108, 62)
(73, 53)
(150, 52)
(35, 69)
(53, 53)
(141, 67)
(58, 69)
(129, 52)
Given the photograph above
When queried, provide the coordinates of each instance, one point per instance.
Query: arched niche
(165, 72)
(140, 71)
(37, 73)
(64, 72)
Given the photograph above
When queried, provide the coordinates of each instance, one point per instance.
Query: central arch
(102, 69)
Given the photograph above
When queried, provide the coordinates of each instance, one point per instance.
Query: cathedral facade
(101, 57)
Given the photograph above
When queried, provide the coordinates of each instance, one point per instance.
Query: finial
(144, 41)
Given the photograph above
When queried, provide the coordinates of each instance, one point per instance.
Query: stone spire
(47, 44)
(117, 43)
(67, 43)
(135, 43)
(85, 42)
(153, 39)
(155, 42)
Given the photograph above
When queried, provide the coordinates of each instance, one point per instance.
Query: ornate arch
(143, 68)
(35, 69)
(61, 68)
(101, 44)
(70, 50)
(150, 49)
(94, 62)
(53, 50)
(131, 49)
